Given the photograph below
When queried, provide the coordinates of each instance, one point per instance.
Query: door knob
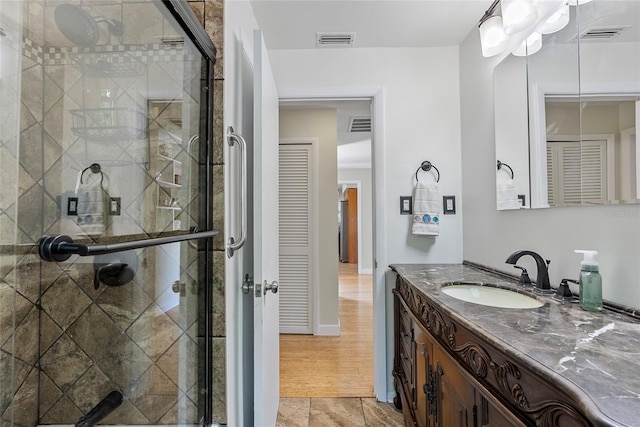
(179, 288)
(247, 284)
(273, 287)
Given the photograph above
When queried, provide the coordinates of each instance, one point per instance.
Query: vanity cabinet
(432, 388)
(444, 375)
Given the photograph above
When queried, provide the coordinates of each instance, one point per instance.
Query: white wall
(613, 64)
(417, 104)
(366, 205)
(322, 124)
(490, 236)
(421, 123)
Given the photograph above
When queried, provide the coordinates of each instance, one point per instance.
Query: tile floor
(337, 412)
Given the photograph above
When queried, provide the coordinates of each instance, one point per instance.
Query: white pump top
(589, 257)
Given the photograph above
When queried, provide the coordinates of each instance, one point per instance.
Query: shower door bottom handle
(60, 248)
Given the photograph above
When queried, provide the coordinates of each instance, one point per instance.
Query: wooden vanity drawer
(407, 366)
(405, 319)
(406, 335)
(405, 342)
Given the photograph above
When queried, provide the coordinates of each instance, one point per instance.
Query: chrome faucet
(542, 277)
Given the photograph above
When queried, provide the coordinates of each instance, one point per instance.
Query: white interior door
(295, 238)
(266, 243)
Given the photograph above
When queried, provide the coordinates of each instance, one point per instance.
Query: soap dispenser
(590, 282)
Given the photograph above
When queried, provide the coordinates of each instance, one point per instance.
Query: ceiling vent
(335, 39)
(602, 33)
(360, 124)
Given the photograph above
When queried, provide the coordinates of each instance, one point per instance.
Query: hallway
(312, 366)
(328, 381)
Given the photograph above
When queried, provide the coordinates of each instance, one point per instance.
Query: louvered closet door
(295, 239)
(576, 173)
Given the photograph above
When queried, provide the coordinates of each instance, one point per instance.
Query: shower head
(80, 27)
(76, 24)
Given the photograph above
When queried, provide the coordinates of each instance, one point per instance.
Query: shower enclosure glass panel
(10, 76)
(103, 139)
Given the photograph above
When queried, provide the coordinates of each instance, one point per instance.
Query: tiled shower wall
(72, 344)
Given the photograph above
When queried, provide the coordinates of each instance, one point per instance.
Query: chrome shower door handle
(233, 244)
(59, 247)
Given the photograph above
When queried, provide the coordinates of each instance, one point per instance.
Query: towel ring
(501, 164)
(95, 168)
(426, 166)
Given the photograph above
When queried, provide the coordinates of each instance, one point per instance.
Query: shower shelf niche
(169, 178)
(108, 123)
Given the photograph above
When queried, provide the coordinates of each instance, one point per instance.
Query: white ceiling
(293, 24)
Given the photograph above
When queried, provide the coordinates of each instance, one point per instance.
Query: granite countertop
(597, 353)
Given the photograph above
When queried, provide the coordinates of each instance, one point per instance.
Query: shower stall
(108, 309)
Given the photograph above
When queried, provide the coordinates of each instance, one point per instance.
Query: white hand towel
(507, 195)
(92, 205)
(427, 205)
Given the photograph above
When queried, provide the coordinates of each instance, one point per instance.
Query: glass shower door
(110, 147)
(13, 307)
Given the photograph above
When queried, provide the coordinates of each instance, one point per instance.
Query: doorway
(348, 224)
(334, 366)
(353, 297)
(355, 219)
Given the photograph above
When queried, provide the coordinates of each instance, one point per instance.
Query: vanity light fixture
(522, 20)
(556, 22)
(531, 45)
(517, 15)
(493, 39)
(492, 36)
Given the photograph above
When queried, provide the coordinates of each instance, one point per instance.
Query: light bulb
(531, 45)
(556, 22)
(517, 15)
(492, 36)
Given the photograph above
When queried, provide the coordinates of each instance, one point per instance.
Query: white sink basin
(488, 295)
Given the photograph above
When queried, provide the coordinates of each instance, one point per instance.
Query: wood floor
(312, 366)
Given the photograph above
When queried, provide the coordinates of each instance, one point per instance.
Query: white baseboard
(390, 396)
(366, 271)
(329, 330)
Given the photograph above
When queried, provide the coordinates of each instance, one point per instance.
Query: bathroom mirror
(582, 89)
(511, 138)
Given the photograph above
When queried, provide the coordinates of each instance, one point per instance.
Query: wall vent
(601, 33)
(335, 39)
(359, 124)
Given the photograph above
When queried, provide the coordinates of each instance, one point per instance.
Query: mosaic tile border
(32, 50)
(123, 53)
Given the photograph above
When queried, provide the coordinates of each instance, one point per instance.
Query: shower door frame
(183, 14)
